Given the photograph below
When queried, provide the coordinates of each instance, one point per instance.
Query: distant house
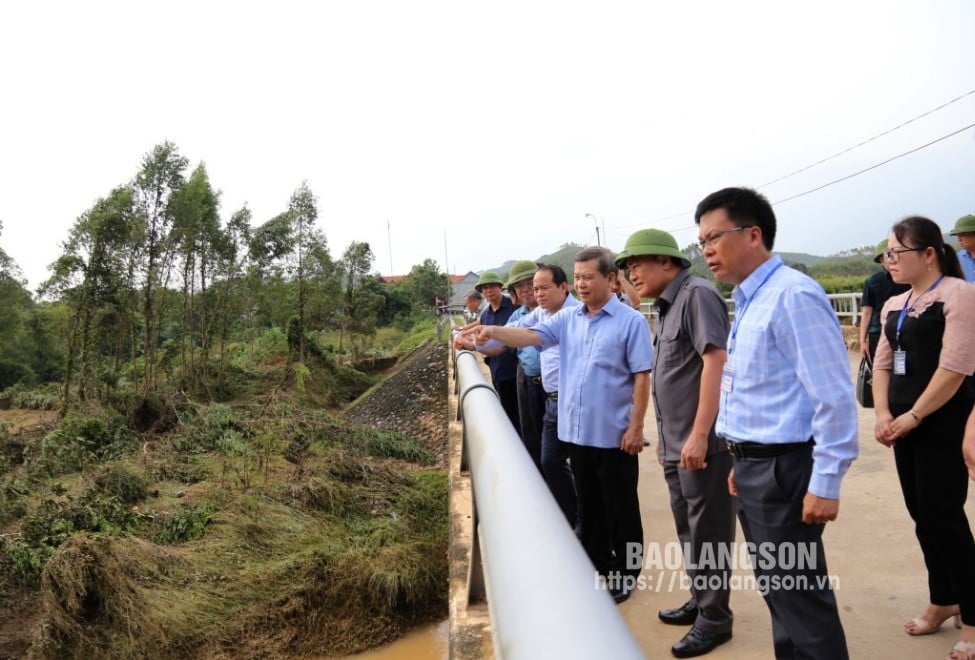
(461, 285)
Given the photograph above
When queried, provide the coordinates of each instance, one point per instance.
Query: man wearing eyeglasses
(787, 413)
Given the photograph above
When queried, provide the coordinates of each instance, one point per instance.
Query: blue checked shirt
(791, 373)
(599, 356)
(967, 264)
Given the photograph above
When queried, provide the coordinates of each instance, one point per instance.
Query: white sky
(500, 123)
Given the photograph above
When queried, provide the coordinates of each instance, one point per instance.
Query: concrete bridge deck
(870, 548)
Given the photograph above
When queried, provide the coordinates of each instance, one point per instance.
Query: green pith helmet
(879, 254)
(521, 271)
(488, 277)
(965, 225)
(648, 242)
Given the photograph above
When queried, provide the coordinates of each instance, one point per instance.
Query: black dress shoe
(620, 594)
(685, 615)
(698, 642)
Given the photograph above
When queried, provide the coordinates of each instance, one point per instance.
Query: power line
(867, 141)
(825, 185)
(873, 167)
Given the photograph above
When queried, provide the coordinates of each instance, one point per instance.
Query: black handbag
(865, 383)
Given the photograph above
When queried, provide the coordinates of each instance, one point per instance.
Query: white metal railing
(538, 581)
(845, 305)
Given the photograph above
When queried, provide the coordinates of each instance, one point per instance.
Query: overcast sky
(482, 132)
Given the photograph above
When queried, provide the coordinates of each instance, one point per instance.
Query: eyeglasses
(893, 255)
(712, 240)
(522, 286)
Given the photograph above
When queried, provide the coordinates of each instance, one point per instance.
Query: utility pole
(389, 241)
(590, 215)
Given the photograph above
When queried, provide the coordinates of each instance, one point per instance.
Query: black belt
(535, 380)
(760, 450)
(554, 396)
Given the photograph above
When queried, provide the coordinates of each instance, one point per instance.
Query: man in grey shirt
(690, 342)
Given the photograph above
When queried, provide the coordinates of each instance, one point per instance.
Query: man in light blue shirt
(964, 230)
(788, 414)
(603, 393)
(552, 295)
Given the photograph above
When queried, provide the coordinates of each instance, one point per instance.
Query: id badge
(727, 378)
(900, 362)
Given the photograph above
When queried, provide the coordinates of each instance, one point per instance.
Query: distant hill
(840, 272)
(800, 258)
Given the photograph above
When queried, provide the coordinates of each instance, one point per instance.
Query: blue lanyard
(740, 314)
(904, 309)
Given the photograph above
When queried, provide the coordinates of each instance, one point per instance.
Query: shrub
(82, 441)
(186, 524)
(122, 482)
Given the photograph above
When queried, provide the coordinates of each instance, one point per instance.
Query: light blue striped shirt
(967, 264)
(598, 358)
(791, 373)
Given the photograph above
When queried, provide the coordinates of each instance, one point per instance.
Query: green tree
(303, 211)
(160, 176)
(89, 275)
(425, 284)
(195, 235)
(358, 308)
(15, 323)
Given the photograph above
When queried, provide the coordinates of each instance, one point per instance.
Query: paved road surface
(870, 548)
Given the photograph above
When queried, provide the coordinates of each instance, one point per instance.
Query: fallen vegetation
(261, 526)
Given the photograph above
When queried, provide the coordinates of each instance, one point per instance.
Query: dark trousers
(555, 464)
(704, 513)
(934, 481)
(531, 410)
(608, 505)
(508, 393)
(805, 622)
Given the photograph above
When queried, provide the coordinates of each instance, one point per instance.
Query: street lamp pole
(596, 222)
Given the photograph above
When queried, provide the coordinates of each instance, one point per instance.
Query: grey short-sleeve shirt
(693, 316)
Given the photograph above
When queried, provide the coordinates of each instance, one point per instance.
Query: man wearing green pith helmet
(504, 365)
(689, 343)
(964, 230)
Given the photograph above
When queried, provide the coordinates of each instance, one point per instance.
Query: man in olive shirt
(690, 344)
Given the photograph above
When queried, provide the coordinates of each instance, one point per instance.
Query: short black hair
(744, 206)
(558, 274)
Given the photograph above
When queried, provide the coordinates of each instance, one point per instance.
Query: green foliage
(52, 523)
(841, 283)
(369, 441)
(425, 283)
(22, 562)
(44, 397)
(210, 428)
(423, 329)
(186, 524)
(83, 441)
(121, 481)
(182, 468)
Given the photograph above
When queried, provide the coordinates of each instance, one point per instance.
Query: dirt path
(17, 420)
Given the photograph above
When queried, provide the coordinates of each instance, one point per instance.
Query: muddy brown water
(427, 642)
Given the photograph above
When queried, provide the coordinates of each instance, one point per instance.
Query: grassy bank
(258, 527)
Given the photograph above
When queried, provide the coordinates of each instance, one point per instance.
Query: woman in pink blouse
(923, 395)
